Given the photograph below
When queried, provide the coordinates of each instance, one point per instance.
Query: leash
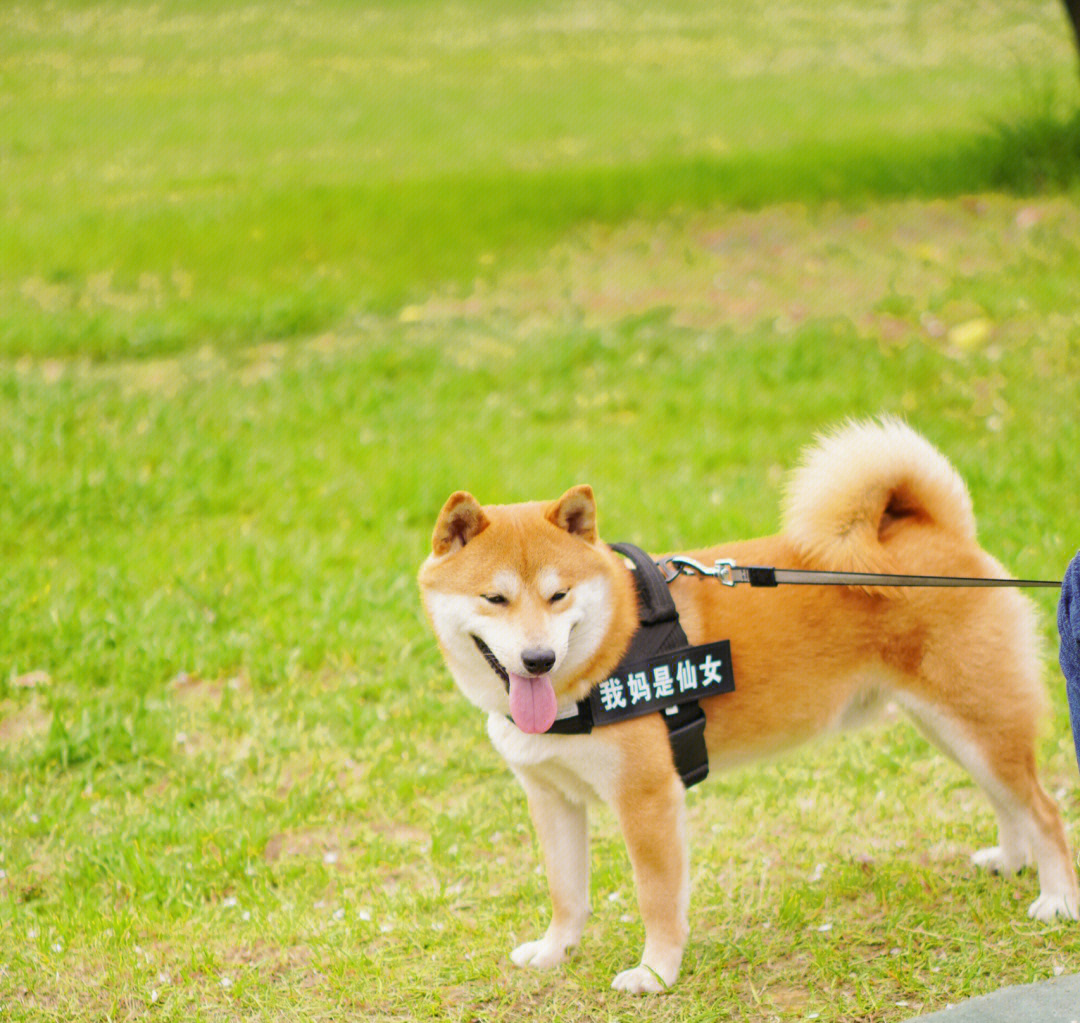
(731, 574)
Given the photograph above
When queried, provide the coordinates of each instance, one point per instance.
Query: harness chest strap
(660, 673)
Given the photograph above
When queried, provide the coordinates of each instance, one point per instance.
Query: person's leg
(1068, 617)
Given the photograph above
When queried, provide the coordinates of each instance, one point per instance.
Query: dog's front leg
(653, 823)
(562, 827)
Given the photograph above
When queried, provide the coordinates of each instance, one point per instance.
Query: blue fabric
(1068, 617)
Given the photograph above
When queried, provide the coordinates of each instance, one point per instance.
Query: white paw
(1048, 907)
(539, 955)
(999, 861)
(640, 981)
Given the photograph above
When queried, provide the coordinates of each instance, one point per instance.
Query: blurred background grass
(182, 173)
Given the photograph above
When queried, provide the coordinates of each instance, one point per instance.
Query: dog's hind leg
(999, 754)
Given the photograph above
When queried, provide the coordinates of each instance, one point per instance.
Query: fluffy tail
(861, 485)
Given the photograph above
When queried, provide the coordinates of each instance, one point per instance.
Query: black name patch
(666, 680)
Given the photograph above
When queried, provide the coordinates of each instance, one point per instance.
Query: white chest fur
(584, 768)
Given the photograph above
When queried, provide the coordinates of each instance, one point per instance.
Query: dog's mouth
(496, 666)
(533, 703)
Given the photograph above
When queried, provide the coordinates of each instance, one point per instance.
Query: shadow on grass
(450, 222)
(1037, 154)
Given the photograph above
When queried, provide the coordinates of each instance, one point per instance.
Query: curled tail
(859, 488)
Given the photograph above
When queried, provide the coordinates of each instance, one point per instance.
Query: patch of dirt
(896, 269)
(20, 724)
(194, 690)
(327, 844)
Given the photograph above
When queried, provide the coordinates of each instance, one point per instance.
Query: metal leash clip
(675, 565)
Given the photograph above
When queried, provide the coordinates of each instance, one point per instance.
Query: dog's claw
(641, 980)
(1047, 908)
(999, 861)
(539, 955)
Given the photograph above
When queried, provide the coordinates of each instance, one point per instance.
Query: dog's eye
(556, 597)
(494, 598)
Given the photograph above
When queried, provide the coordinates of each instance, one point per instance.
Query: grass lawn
(275, 282)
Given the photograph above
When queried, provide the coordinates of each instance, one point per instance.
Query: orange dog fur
(557, 608)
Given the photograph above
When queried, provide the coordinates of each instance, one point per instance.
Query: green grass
(177, 174)
(273, 284)
(212, 565)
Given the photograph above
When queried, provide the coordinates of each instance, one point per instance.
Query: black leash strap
(731, 574)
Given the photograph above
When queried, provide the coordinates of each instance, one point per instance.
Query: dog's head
(529, 607)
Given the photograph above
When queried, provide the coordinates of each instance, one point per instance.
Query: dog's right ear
(575, 512)
(460, 520)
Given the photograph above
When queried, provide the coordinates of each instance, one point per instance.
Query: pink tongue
(533, 704)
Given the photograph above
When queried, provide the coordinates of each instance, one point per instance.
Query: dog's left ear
(460, 520)
(575, 512)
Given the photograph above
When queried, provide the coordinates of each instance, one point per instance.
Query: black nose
(538, 661)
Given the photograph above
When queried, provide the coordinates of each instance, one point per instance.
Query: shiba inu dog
(531, 610)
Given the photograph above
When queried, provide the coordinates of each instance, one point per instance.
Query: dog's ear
(460, 520)
(575, 512)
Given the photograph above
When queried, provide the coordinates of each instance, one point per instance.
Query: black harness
(660, 673)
